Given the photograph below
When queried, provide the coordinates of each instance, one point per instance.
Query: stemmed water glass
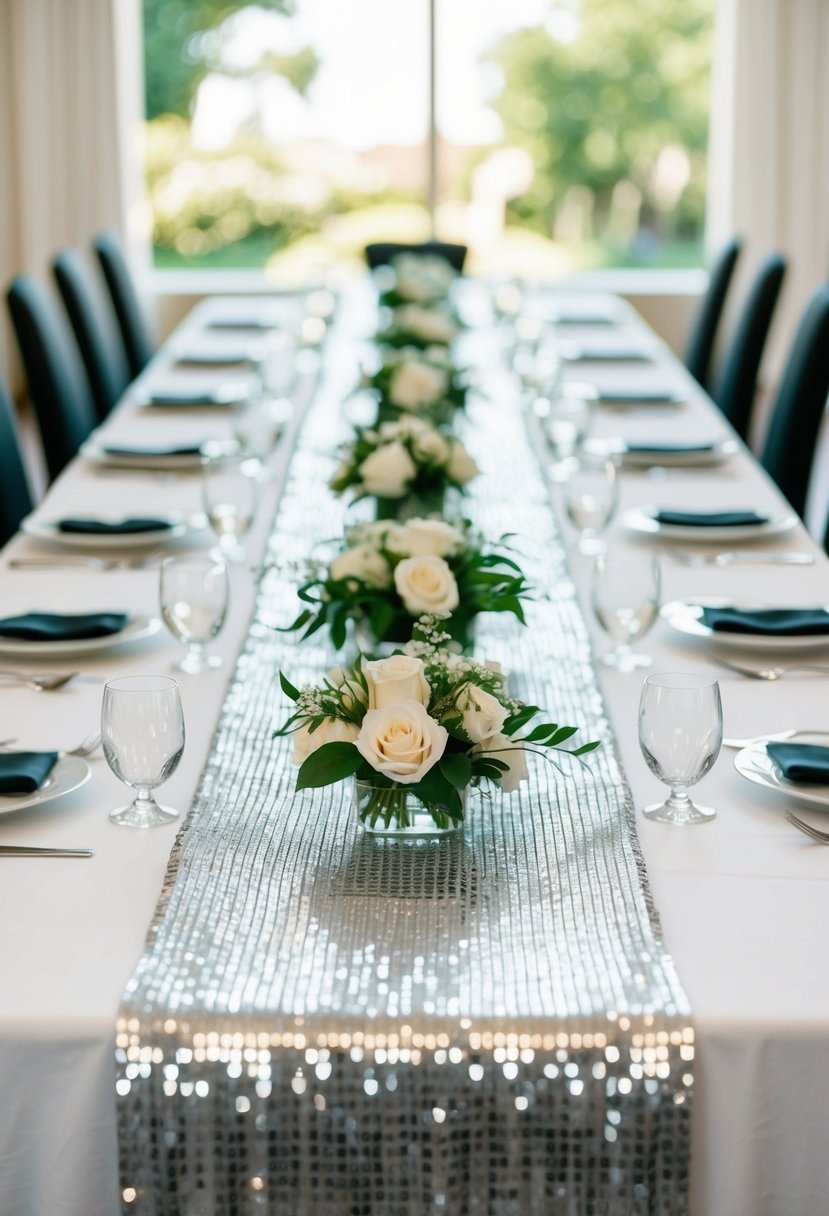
(591, 494)
(566, 418)
(680, 733)
(625, 591)
(142, 729)
(193, 592)
(229, 493)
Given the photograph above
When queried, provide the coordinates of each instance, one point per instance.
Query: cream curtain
(70, 123)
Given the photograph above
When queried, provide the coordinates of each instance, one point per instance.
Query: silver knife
(15, 850)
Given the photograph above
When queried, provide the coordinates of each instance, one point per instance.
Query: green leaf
(287, 687)
(457, 770)
(515, 721)
(328, 764)
(564, 732)
(586, 747)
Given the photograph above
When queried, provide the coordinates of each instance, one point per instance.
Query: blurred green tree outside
(608, 99)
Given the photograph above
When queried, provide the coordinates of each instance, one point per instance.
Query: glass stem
(144, 798)
(679, 798)
(196, 651)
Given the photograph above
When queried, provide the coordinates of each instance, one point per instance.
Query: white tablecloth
(742, 899)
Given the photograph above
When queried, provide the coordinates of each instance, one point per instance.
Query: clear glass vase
(397, 811)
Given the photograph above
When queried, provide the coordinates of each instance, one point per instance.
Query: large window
(559, 134)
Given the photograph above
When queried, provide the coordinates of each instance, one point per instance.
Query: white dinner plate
(755, 764)
(176, 463)
(685, 616)
(68, 774)
(45, 529)
(136, 628)
(643, 520)
(715, 453)
(194, 397)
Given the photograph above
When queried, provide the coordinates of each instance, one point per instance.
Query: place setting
(730, 524)
(738, 624)
(176, 457)
(36, 634)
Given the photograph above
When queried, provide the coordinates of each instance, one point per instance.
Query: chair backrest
(738, 379)
(96, 329)
(382, 252)
(15, 495)
(789, 446)
(703, 335)
(57, 381)
(133, 325)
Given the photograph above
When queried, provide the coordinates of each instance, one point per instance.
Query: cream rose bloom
(401, 741)
(461, 467)
(432, 448)
(388, 471)
(415, 384)
(429, 324)
(483, 714)
(362, 562)
(331, 730)
(398, 678)
(426, 584)
(354, 693)
(508, 753)
(426, 538)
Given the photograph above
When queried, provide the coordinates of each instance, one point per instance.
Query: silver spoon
(44, 683)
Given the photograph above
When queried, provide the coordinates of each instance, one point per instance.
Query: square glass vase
(397, 811)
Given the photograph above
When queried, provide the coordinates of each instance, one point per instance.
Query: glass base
(195, 664)
(664, 812)
(625, 660)
(591, 545)
(233, 554)
(143, 815)
(397, 812)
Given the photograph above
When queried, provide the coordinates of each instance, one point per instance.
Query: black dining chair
(736, 388)
(789, 447)
(135, 332)
(15, 495)
(703, 334)
(380, 253)
(93, 320)
(57, 381)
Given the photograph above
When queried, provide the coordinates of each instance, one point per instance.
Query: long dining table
(741, 899)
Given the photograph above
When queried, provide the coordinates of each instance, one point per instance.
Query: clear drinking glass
(142, 728)
(680, 733)
(567, 420)
(229, 493)
(194, 595)
(591, 493)
(625, 592)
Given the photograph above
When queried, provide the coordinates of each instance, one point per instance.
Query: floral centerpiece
(388, 574)
(418, 325)
(416, 730)
(414, 381)
(404, 460)
(417, 279)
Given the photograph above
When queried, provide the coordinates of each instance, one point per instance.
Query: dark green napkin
(58, 627)
(191, 397)
(244, 321)
(668, 449)
(153, 453)
(610, 354)
(25, 772)
(100, 527)
(583, 318)
(638, 396)
(710, 519)
(801, 761)
(783, 622)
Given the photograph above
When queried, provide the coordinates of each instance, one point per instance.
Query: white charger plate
(717, 453)
(136, 628)
(685, 616)
(756, 765)
(68, 774)
(46, 529)
(642, 520)
(214, 449)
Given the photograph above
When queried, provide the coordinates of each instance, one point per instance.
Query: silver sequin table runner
(324, 1024)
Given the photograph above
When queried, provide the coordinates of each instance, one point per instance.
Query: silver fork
(728, 559)
(86, 747)
(771, 673)
(44, 683)
(814, 833)
(84, 563)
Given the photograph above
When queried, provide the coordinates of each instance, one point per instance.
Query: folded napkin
(59, 627)
(154, 453)
(668, 449)
(638, 396)
(189, 397)
(782, 622)
(245, 321)
(214, 358)
(100, 527)
(25, 772)
(710, 519)
(610, 354)
(801, 761)
(583, 318)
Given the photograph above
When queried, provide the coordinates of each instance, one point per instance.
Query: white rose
(429, 324)
(330, 730)
(426, 537)
(363, 562)
(388, 471)
(354, 693)
(461, 467)
(503, 749)
(401, 741)
(483, 714)
(415, 384)
(398, 678)
(432, 448)
(426, 584)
